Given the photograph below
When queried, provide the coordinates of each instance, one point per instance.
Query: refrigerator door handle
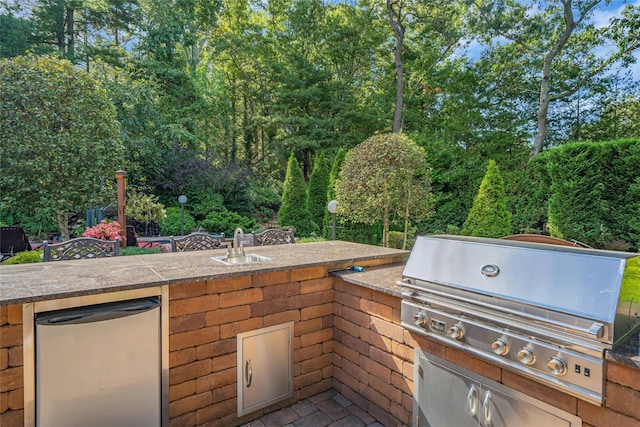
(98, 313)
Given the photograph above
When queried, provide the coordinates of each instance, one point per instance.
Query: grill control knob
(420, 319)
(500, 346)
(557, 366)
(456, 332)
(527, 356)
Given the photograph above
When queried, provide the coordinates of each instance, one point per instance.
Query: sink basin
(242, 259)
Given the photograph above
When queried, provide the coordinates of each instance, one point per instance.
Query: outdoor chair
(132, 236)
(12, 241)
(197, 242)
(82, 247)
(273, 236)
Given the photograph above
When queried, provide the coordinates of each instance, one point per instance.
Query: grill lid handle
(596, 329)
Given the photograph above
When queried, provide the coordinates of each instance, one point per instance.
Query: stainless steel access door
(265, 367)
(99, 366)
(447, 395)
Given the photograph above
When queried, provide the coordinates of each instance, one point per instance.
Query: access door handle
(472, 401)
(487, 409)
(248, 373)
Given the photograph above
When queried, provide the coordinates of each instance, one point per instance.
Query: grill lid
(558, 279)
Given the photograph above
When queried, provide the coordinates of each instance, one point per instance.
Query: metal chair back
(80, 248)
(197, 242)
(273, 236)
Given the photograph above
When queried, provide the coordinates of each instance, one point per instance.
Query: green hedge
(594, 193)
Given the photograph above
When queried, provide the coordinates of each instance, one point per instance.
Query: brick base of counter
(206, 317)
(346, 337)
(373, 366)
(11, 372)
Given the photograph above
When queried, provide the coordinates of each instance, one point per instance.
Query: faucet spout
(238, 249)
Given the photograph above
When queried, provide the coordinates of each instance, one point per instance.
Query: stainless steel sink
(241, 259)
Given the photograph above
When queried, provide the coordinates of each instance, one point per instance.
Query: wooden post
(121, 180)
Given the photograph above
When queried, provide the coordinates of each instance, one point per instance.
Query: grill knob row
(526, 355)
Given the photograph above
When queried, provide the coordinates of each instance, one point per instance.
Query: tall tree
(397, 15)
(436, 24)
(559, 40)
(83, 31)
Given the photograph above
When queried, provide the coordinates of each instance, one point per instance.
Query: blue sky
(601, 17)
(604, 14)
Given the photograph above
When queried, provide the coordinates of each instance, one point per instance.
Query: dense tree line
(213, 97)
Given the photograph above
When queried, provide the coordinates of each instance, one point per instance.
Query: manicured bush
(171, 225)
(528, 192)
(226, 222)
(61, 141)
(26, 257)
(489, 216)
(595, 193)
(133, 250)
(385, 178)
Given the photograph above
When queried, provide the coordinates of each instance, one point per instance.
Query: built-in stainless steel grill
(547, 312)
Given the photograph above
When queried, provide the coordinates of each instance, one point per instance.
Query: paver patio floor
(327, 409)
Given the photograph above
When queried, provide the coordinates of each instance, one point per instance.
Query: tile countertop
(62, 279)
(385, 279)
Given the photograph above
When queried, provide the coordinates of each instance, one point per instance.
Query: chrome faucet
(237, 249)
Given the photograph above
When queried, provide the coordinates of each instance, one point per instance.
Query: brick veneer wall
(11, 372)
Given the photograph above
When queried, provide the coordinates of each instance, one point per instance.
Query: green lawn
(631, 281)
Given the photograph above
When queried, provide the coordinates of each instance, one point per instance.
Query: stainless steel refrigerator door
(99, 366)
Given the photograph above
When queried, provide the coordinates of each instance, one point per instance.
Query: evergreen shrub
(489, 216)
(26, 257)
(171, 224)
(317, 189)
(595, 192)
(226, 222)
(293, 212)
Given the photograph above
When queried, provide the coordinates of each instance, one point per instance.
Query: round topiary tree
(489, 216)
(293, 211)
(60, 139)
(385, 175)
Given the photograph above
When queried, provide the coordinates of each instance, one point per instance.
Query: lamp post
(331, 207)
(182, 200)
